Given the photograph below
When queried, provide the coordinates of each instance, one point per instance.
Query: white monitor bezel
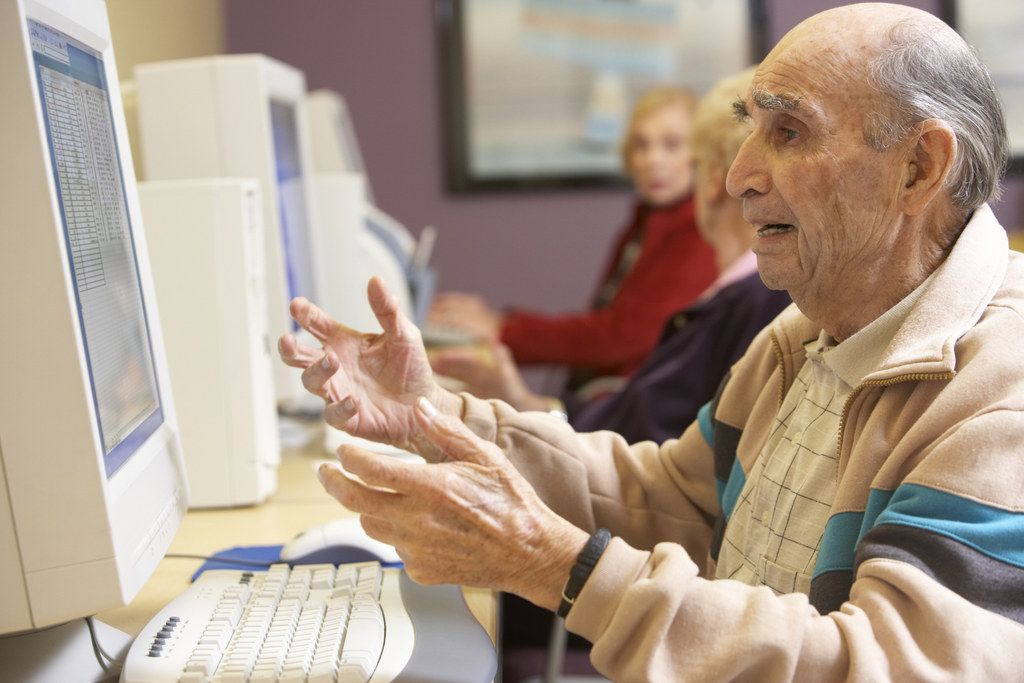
(75, 541)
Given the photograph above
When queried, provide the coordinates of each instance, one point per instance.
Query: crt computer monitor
(355, 233)
(241, 116)
(92, 482)
(336, 147)
(409, 255)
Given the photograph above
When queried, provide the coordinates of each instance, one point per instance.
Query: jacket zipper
(911, 377)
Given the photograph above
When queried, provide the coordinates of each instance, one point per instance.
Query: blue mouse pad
(254, 557)
(259, 557)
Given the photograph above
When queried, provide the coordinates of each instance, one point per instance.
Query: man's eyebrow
(739, 110)
(773, 101)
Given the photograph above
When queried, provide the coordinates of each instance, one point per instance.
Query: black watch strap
(585, 563)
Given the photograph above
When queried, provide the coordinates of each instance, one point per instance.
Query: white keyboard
(312, 624)
(442, 335)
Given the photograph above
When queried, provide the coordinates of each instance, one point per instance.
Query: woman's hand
(489, 372)
(466, 312)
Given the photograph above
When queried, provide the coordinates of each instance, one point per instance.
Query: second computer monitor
(336, 147)
(241, 116)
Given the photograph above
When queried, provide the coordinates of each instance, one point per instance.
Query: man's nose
(748, 173)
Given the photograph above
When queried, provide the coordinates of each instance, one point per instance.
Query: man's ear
(928, 168)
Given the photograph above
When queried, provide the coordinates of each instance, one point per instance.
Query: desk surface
(298, 504)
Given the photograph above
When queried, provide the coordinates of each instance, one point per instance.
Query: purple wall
(542, 250)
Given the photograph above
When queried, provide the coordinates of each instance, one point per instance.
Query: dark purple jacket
(697, 348)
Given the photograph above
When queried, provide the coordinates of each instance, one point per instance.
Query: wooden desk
(299, 503)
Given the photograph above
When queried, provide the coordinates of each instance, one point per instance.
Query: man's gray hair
(925, 76)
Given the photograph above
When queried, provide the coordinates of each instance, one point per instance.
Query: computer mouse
(338, 541)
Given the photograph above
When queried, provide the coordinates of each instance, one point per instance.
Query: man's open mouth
(774, 229)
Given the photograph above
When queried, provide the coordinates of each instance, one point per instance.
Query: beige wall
(157, 30)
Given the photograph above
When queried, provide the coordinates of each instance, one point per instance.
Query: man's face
(823, 201)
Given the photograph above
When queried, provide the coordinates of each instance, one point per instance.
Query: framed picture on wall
(538, 92)
(994, 28)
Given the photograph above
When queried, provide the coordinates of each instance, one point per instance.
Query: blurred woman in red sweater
(659, 264)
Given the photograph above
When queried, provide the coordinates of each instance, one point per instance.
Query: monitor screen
(90, 191)
(295, 232)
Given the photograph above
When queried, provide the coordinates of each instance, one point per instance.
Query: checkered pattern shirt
(775, 529)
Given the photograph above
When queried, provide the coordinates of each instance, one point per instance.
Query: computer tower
(206, 248)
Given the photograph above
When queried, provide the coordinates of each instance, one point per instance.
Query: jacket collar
(953, 300)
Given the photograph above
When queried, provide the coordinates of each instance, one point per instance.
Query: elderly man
(851, 505)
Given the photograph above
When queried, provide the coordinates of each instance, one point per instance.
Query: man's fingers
(383, 472)
(296, 354)
(287, 349)
(383, 304)
(312, 319)
(316, 378)
(354, 493)
(453, 437)
(385, 307)
(340, 411)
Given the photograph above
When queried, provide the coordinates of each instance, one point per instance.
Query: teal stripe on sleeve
(708, 432)
(877, 502)
(843, 532)
(990, 530)
(704, 422)
(839, 542)
(728, 491)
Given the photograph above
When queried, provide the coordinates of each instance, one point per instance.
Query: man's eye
(788, 134)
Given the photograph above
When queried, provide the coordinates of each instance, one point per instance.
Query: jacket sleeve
(674, 267)
(652, 617)
(598, 480)
(652, 613)
(938, 589)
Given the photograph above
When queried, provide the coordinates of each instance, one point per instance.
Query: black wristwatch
(585, 563)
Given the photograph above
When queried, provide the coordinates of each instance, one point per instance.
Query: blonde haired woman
(659, 264)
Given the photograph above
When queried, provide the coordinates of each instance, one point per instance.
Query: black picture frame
(585, 164)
